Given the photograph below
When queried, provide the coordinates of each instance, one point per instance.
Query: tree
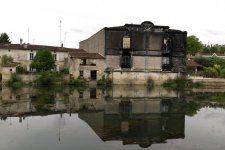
(43, 61)
(6, 60)
(194, 45)
(4, 38)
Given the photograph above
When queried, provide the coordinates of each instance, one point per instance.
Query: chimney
(21, 41)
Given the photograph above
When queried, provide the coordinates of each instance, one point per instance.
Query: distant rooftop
(37, 47)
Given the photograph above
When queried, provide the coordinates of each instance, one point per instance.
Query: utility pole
(28, 35)
(60, 32)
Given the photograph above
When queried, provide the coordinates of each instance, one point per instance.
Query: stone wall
(76, 67)
(128, 77)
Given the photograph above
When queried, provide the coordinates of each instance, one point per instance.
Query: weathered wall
(113, 61)
(141, 77)
(148, 63)
(140, 91)
(76, 67)
(94, 44)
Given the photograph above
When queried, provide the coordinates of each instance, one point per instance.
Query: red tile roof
(86, 55)
(191, 63)
(37, 47)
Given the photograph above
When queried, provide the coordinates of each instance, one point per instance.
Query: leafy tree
(6, 60)
(4, 38)
(43, 61)
(194, 45)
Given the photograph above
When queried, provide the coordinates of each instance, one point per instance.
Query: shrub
(104, 82)
(20, 70)
(181, 83)
(64, 71)
(6, 60)
(78, 82)
(46, 78)
(14, 81)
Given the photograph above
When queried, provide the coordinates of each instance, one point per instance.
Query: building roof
(86, 55)
(37, 47)
(191, 63)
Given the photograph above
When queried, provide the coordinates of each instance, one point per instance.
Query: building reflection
(133, 115)
(138, 118)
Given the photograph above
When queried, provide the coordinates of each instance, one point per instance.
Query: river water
(121, 117)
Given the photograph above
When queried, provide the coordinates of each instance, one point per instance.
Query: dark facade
(140, 46)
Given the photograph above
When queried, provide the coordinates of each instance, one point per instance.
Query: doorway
(93, 75)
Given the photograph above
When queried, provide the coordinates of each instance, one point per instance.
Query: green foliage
(210, 49)
(43, 60)
(194, 45)
(14, 81)
(4, 38)
(64, 71)
(46, 78)
(20, 70)
(181, 83)
(78, 82)
(6, 60)
(213, 67)
(191, 108)
(104, 82)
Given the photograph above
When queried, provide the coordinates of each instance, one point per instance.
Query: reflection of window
(93, 93)
(81, 74)
(56, 68)
(166, 60)
(31, 56)
(30, 69)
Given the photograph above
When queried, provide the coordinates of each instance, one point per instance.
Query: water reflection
(141, 122)
(136, 116)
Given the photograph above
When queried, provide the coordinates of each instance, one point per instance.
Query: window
(31, 56)
(56, 68)
(126, 42)
(84, 62)
(55, 57)
(166, 60)
(81, 94)
(81, 74)
(147, 42)
(10, 70)
(93, 93)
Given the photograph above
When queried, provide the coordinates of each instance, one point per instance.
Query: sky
(38, 21)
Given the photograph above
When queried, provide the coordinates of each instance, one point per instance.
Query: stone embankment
(210, 83)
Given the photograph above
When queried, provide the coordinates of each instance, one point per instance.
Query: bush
(6, 60)
(20, 70)
(14, 81)
(181, 83)
(104, 82)
(64, 71)
(78, 82)
(46, 78)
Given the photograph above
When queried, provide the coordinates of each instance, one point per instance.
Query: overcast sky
(82, 18)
